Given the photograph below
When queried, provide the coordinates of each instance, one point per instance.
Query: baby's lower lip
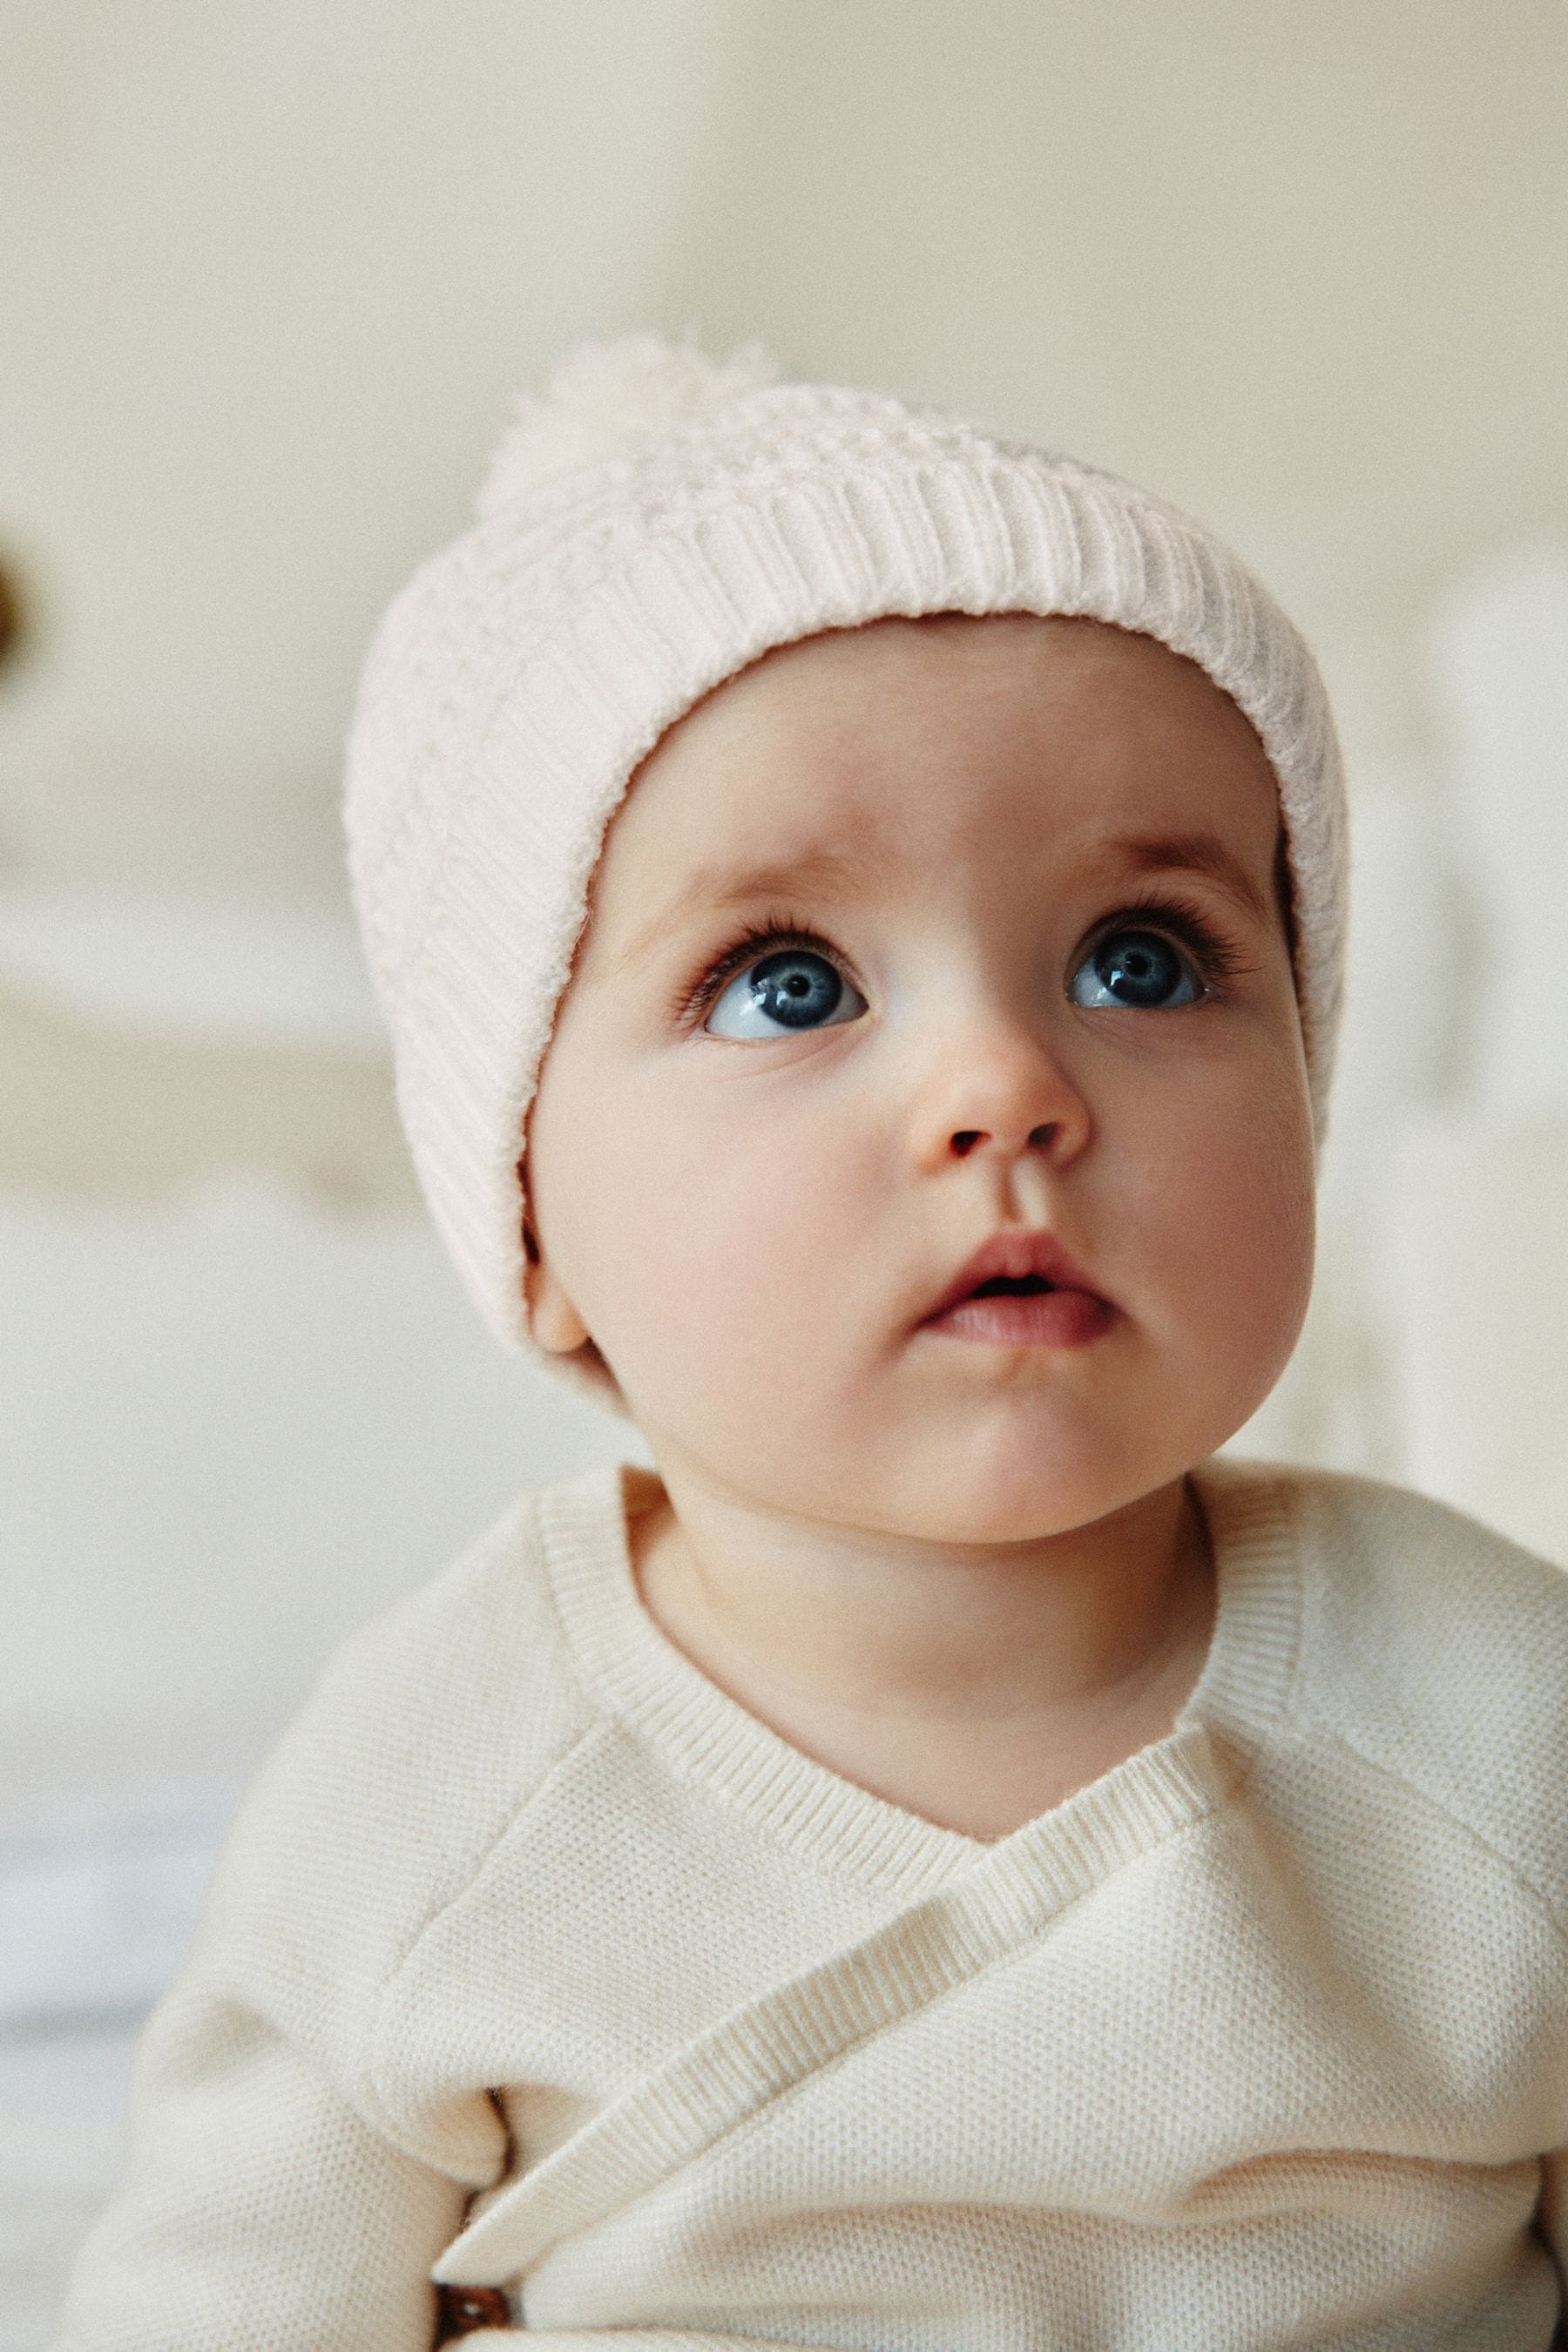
(1043, 1318)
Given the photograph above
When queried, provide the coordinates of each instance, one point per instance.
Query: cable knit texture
(534, 1963)
(656, 523)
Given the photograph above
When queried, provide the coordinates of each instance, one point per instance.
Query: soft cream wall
(270, 276)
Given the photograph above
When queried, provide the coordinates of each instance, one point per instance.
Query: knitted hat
(657, 522)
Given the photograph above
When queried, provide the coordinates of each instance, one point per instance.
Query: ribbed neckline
(705, 1737)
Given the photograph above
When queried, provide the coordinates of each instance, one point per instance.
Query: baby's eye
(792, 989)
(1138, 969)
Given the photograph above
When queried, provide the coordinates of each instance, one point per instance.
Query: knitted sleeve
(260, 2212)
(272, 2200)
(288, 2185)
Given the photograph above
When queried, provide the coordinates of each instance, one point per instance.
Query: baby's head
(919, 1065)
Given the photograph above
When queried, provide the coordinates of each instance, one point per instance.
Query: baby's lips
(1013, 1256)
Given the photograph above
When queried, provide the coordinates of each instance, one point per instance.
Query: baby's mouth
(1021, 1290)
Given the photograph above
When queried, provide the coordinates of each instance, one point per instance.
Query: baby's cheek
(1238, 1235)
(722, 1259)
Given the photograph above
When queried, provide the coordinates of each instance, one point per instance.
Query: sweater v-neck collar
(705, 1737)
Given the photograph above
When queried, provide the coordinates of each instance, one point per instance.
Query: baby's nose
(1002, 1096)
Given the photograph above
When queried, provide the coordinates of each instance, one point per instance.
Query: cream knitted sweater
(535, 1962)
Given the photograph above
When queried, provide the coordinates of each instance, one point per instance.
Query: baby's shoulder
(1437, 1649)
(430, 1727)
(1402, 1585)
(470, 1671)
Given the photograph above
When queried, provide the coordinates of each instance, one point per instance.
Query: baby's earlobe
(553, 1322)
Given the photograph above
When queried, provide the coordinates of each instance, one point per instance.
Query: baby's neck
(974, 1686)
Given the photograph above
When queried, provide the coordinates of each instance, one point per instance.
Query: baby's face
(911, 938)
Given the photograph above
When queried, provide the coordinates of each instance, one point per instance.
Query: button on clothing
(464, 2309)
(536, 1966)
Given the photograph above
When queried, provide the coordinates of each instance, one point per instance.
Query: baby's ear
(553, 1322)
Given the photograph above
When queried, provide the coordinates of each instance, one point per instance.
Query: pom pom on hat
(608, 400)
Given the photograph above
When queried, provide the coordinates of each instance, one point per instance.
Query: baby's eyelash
(1218, 959)
(765, 938)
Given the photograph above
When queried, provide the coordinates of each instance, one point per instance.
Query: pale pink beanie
(657, 522)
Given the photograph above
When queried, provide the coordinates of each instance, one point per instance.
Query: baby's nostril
(965, 1140)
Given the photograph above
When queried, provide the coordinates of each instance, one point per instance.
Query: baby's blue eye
(1137, 968)
(792, 989)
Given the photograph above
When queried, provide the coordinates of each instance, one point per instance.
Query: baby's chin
(1025, 1509)
(1012, 1480)
(1019, 1468)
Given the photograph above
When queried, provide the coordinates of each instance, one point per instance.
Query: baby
(945, 1863)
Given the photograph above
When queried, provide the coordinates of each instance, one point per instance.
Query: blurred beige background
(270, 276)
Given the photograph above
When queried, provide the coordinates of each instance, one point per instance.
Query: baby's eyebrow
(722, 889)
(725, 888)
(1193, 853)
